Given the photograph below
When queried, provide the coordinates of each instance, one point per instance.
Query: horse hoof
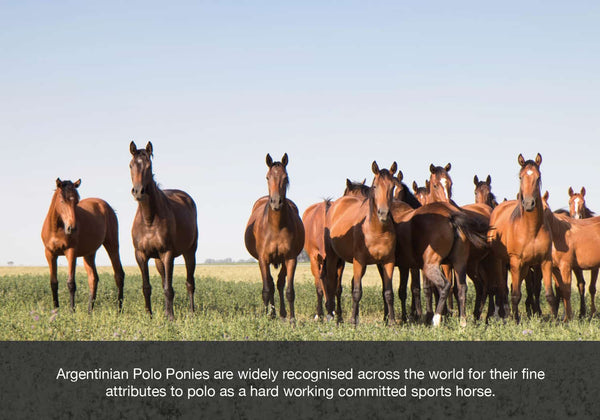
(437, 320)
(329, 318)
(463, 322)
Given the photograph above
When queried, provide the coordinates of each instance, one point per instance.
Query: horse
(440, 184)
(520, 235)
(75, 228)
(429, 236)
(421, 193)
(402, 193)
(314, 243)
(275, 235)
(577, 207)
(483, 192)
(361, 231)
(164, 227)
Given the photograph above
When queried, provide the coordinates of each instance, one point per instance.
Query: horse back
(185, 215)
(314, 228)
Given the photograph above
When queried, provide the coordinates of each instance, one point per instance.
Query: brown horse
(431, 235)
(314, 243)
(164, 227)
(421, 193)
(483, 192)
(76, 228)
(361, 231)
(440, 184)
(520, 235)
(275, 235)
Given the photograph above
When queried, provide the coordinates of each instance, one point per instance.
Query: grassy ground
(229, 307)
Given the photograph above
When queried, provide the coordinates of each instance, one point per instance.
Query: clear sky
(215, 85)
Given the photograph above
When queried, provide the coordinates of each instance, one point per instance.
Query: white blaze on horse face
(444, 183)
(529, 172)
(576, 214)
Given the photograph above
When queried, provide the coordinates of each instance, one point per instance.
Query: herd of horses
(385, 224)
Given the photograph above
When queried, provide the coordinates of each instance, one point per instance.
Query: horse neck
(154, 206)
(372, 219)
(276, 219)
(53, 216)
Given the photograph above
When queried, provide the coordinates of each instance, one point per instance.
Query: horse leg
(359, 271)
(415, 287)
(530, 294)
(435, 274)
(142, 262)
(317, 270)
(280, 287)
(565, 290)
(516, 272)
(581, 288)
(382, 276)
(268, 291)
(190, 283)
(119, 274)
(338, 292)
(427, 291)
(388, 291)
(550, 298)
(593, 278)
(90, 267)
(480, 294)
(54, 279)
(290, 293)
(72, 264)
(402, 294)
(167, 258)
(449, 307)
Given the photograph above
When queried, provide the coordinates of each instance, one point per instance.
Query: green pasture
(229, 307)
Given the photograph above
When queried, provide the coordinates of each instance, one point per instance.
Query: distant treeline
(303, 257)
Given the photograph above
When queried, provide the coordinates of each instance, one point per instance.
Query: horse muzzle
(138, 192)
(528, 204)
(383, 215)
(275, 203)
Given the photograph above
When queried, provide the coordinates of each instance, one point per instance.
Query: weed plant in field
(229, 307)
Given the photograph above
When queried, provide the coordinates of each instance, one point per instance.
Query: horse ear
(427, 185)
(269, 160)
(546, 196)
(58, 183)
(475, 180)
(570, 191)
(393, 168)
(431, 168)
(521, 160)
(415, 186)
(582, 191)
(375, 168)
(400, 176)
(77, 183)
(488, 180)
(149, 148)
(284, 160)
(448, 167)
(364, 181)
(132, 148)
(348, 183)
(538, 159)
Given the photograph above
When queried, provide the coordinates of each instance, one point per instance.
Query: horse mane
(516, 214)
(409, 197)
(562, 211)
(587, 213)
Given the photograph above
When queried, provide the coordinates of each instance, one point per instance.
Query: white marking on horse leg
(437, 319)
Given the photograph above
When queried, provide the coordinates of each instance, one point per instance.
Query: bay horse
(421, 193)
(361, 231)
(435, 234)
(75, 228)
(164, 227)
(520, 235)
(275, 235)
(483, 192)
(440, 184)
(314, 243)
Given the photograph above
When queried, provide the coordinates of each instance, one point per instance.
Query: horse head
(66, 201)
(277, 181)
(141, 170)
(382, 190)
(530, 182)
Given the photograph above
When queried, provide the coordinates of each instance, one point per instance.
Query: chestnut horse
(361, 231)
(275, 235)
(164, 227)
(520, 235)
(421, 193)
(483, 192)
(76, 228)
(314, 243)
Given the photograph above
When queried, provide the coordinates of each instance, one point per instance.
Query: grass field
(229, 307)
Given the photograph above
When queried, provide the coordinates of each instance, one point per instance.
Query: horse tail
(328, 202)
(472, 225)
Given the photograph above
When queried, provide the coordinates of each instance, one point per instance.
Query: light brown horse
(164, 227)
(440, 184)
(361, 231)
(275, 235)
(76, 228)
(520, 235)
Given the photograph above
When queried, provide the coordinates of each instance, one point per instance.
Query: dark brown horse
(314, 243)
(164, 227)
(275, 235)
(76, 228)
(520, 234)
(361, 231)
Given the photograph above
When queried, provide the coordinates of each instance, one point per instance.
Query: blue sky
(217, 85)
